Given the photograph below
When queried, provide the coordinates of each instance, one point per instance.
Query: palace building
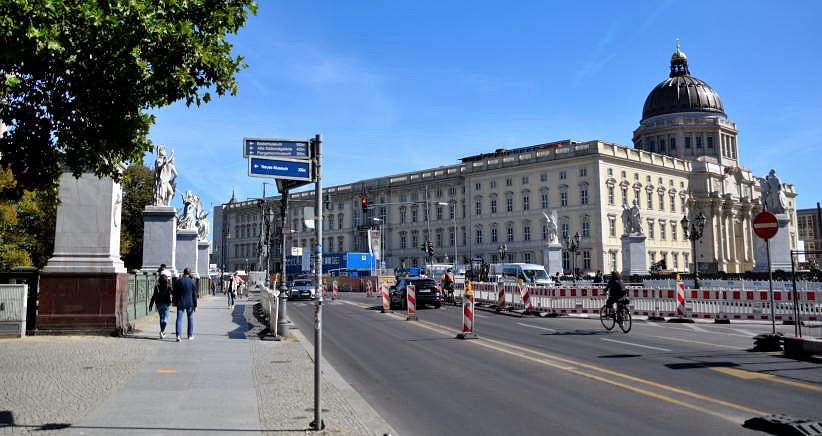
(684, 161)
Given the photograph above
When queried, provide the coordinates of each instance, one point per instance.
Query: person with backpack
(615, 290)
(162, 296)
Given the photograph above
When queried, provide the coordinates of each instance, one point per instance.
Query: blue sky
(404, 85)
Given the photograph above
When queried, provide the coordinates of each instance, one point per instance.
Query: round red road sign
(765, 225)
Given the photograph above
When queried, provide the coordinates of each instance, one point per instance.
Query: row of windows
(524, 180)
(672, 261)
(649, 199)
(624, 175)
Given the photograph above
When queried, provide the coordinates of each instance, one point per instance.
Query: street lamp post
(380, 223)
(572, 246)
(693, 232)
(442, 203)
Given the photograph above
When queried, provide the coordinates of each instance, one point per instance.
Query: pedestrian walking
(185, 298)
(231, 291)
(162, 297)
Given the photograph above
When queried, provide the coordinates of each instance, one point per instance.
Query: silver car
(302, 289)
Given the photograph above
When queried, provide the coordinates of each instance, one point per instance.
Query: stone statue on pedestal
(188, 219)
(773, 198)
(551, 226)
(165, 176)
(202, 225)
(631, 219)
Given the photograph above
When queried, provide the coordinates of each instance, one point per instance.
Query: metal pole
(283, 287)
(770, 285)
(318, 312)
(797, 329)
(455, 237)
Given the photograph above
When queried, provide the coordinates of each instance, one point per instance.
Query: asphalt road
(529, 375)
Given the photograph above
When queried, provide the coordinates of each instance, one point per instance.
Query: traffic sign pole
(765, 225)
(318, 312)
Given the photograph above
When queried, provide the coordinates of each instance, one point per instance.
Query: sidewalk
(225, 381)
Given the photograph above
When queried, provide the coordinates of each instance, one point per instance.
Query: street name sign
(280, 168)
(765, 225)
(272, 147)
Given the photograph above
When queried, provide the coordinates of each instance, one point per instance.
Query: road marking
(557, 362)
(536, 327)
(635, 345)
(745, 332)
(751, 375)
(481, 316)
(691, 341)
(696, 328)
(165, 371)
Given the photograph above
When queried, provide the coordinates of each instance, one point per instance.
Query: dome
(681, 92)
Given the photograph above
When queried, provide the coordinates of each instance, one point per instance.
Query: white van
(513, 272)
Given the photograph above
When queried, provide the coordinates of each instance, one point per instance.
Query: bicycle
(621, 316)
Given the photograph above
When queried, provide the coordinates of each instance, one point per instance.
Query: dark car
(427, 291)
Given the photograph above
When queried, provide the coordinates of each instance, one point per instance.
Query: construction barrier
(386, 299)
(335, 290)
(411, 299)
(672, 302)
(369, 288)
(468, 316)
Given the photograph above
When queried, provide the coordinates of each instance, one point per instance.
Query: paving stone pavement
(226, 381)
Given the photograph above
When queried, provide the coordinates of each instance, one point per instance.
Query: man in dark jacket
(185, 297)
(615, 289)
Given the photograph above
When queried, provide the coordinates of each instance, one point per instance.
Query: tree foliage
(78, 76)
(26, 225)
(138, 190)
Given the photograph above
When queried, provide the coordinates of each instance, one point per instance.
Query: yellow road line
(570, 366)
(751, 375)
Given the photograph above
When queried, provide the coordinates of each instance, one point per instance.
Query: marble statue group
(773, 198)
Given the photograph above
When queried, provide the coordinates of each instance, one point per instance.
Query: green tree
(26, 225)
(138, 190)
(77, 77)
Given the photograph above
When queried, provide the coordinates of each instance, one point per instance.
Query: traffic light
(364, 204)
(430, 248)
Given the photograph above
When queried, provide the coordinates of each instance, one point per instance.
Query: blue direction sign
(268, 147)
(281, 168)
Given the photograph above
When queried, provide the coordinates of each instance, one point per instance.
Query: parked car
(427, 292)
(302, 289)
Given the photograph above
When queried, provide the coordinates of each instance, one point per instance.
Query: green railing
(140, 289)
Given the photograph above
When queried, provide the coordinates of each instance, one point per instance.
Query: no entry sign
(765, 225)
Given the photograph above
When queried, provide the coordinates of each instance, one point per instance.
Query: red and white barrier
(411, 300)
(369, 289)
(679, 302)
(468, 317)
(386, 299)
(335, 290)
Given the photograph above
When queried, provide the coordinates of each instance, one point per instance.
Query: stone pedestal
(552, 257)
(634, 255)
(186, 251)
(202, 258)
(159, 238)
(780, 248)
(84, 286)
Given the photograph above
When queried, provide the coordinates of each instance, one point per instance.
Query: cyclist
(448, 286)
(615, 290)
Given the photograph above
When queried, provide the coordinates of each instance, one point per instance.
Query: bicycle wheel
(606, 318)
(624, 319)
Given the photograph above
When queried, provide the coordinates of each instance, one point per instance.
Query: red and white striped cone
(681, 316)
(335, 290)
(467, 317)
(325, 290)
(411, 299)
(369, 289)
(386, 299)
(526, 298)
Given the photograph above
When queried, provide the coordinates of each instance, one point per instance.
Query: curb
(370, 418)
